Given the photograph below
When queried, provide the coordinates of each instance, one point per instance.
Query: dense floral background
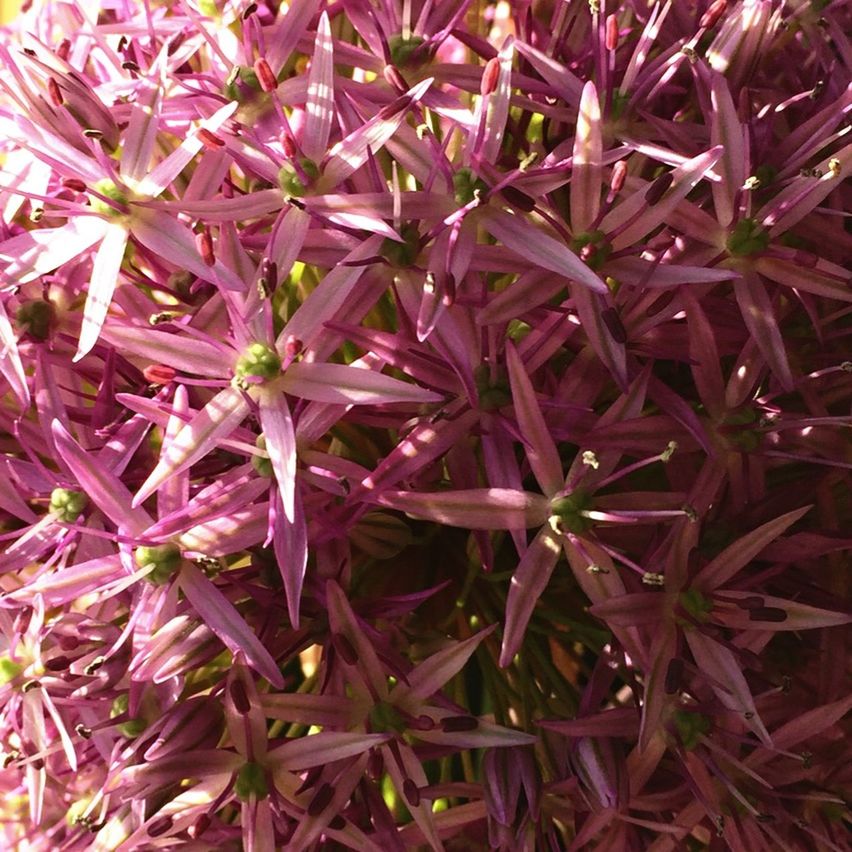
(425, 425)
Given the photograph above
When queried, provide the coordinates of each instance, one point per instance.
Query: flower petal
(319, 107)
(223, 619)
(586, 164)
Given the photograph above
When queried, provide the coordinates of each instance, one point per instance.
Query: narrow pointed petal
(10, 361)
(727, 680)
(290, 545)
(175, 243)
(684, 179)
(347, 385)
(141, 134)
(102, 285)
(726, 130)
(319, 108)
(325, 747)
(188, 354)
(105, 489)
(348, 155)
(737, 555)
(496, 105)
(475, 509)
(277, 425)
(655, 699)
(365, 660)
(817, 281)
(517, 234)
(612, 353)
(197, 438)
(759, 316)
(529, 581)
(38, 252)
(223, 619)
(435, 671)
(796, 616)
(586, 164)
(540, 447)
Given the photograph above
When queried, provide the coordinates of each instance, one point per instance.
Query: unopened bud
(488, 83)
(265, 76)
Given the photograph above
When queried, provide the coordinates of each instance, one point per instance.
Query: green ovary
(165, 558)
(67, 505)
(259, 361)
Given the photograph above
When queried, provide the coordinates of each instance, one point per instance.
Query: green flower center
(132, 727)
(747, 238)
(569, 510)
(9, 670)
(492, 395)
(67, 505)
(402, 49)
(292, 182)
(465, 186)
(593, 248)
(690, 726)
(402, 254)
(259, 361)
(165, 558)
(251, 780)
(109, 190)
(385, 717)
(696, 604)
(36, 317)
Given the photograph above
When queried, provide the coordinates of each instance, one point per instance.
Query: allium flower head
(425, 425)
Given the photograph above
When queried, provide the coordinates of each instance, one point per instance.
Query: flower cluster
(425, 424)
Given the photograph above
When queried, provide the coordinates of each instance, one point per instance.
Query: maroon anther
(204, 245)
(158, 374)
(199, 827)
(411, 792)
(240, 697)
(74, 184)
(64, 50)
(210, 139)
(614, 325)
(265, 77)
(658, 188)
(455, 724)
(767, 613)
(611, 34)
(160, 826)
(488, 83)
(674, 676)
(55, 92)
(289, 145)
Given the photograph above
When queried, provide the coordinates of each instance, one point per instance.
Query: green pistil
(165, 558)
(570, 510)
(593, 248)
(108, 189)
(385, 717)
(67, 505)
(690, 726)
(736, 431)
(747, 238)
(465, 186)
(261, 464)
(132, 727)
(291, 181)
(402, 254)
(696, 605)
(9, 670)
(36, 317)
(251, 781)
(259, 361)
(402, 49)
(491, 395)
